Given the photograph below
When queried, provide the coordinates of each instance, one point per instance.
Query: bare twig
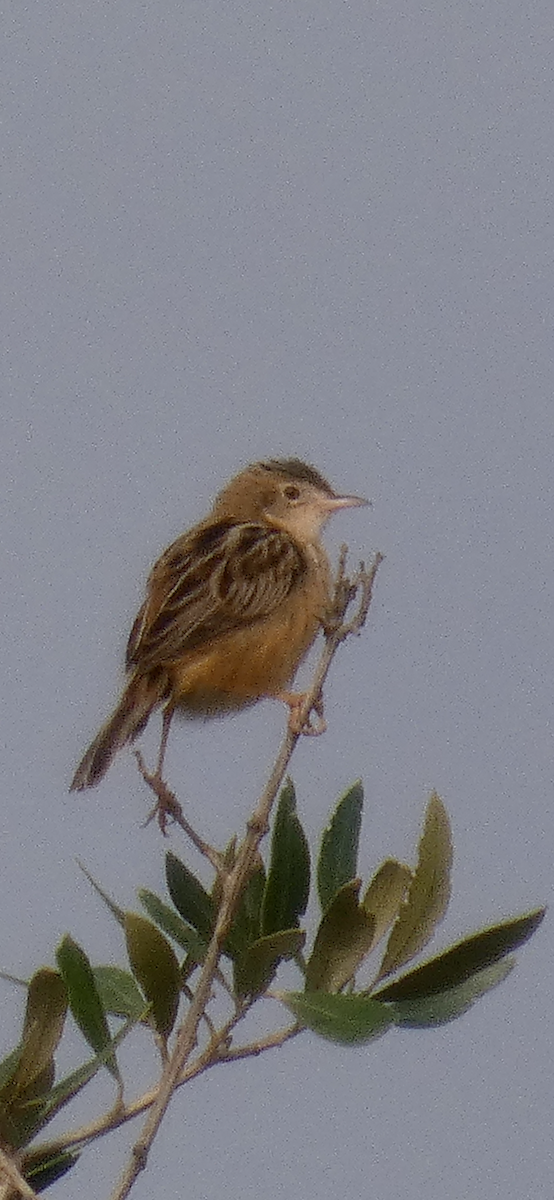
(215, 1054)
(12, 1183)
(233, 882)
(168, 806)
(253, 1049)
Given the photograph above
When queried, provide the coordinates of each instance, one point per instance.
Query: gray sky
(324, 229)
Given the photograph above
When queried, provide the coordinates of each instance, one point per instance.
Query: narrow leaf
(349, 1020)
(464, 959)
(43, 1026)
(173, 925)
(156, 969)
(344, 937)
(119, 993)
(21, 1111)
(446, 1006)
(255, 968)
(84, 1001)
(114, 908)
(46, 1007)
(384, 895)
(8, 1067)
(428, 894)
(189, 897)
(21, 1121)
(288, 881)
(245, 928)
(338, 857)
(72, 1084)
(42, 1173)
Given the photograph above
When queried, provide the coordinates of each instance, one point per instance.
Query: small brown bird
(231, 609)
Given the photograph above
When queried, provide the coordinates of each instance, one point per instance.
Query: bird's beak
(334, 503)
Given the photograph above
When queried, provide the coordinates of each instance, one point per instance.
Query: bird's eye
(291, 492)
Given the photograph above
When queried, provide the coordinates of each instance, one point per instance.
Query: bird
(231, 609)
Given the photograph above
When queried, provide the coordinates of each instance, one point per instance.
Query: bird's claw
(299, 721)
(167, 807)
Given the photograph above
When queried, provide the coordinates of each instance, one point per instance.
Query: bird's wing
(219, 577)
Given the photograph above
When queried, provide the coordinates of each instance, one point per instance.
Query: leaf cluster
(354, 984)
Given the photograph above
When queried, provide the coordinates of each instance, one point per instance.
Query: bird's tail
(140, 697)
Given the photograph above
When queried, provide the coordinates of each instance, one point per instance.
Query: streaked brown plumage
(231, 607)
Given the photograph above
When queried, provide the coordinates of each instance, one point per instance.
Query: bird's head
(286, 493)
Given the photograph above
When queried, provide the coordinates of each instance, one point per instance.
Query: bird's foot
(167, 806)
(300, 721)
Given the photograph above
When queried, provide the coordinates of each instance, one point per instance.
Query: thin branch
(253, 1049)
(168, 806)
(214, 1055)
(12, 1183)
(232, 883)
(209, 1056)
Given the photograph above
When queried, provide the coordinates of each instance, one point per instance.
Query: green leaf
(256, 966)
(84, 1001)
(21, 1113)
(173, 925)
(20, 1122)
(447, 1006)
(8, 1067)
(245, 928)
(384, 895)
(189, 897)
(288, 881)
(119, 993)
(45, 1015)
(155, 966)
(114, 908)
(32, 1062)
(349, 1020)
(464, 959)
(428, 894)
(41, 1173)
(72, 1084)
(27, 1099)
(344, 937)
(338, 857)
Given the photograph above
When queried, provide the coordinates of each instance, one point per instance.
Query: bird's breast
(257, 660)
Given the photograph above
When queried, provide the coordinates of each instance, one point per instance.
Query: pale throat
(306, 524)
